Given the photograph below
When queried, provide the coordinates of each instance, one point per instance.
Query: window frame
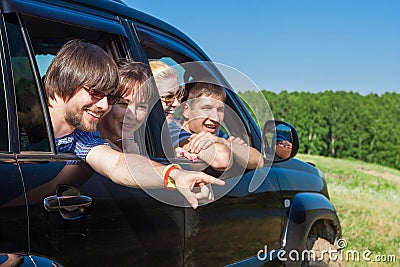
(124, 48)
(4, 110)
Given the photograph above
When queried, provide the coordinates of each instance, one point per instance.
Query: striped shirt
(79, 142)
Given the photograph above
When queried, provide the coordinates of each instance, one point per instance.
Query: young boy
(203, 114)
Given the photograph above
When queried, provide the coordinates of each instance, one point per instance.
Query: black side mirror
(280, 141)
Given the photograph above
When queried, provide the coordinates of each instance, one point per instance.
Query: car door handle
(55, 203)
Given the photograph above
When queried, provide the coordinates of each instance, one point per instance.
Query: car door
(13, 215)
(76, 217)
(247, 214)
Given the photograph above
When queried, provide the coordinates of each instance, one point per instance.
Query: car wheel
(326, 254)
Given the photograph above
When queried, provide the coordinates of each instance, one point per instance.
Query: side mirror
(280, 141)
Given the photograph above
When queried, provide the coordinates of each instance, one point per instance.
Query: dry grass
(367, 198)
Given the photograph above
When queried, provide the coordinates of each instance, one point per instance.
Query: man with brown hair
(80, 84)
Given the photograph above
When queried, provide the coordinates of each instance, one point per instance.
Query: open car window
(31, 52)
(190, 67)
(48, 36)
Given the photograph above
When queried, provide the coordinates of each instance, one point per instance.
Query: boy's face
(205, 114)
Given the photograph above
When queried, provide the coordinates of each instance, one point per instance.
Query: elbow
(260, 163)
(256, 160)
(218, 157)
(221, 162)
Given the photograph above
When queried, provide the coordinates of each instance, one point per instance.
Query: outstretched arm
(134, 170)
(246, 156)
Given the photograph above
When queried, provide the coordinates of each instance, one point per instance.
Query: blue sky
(295, 45)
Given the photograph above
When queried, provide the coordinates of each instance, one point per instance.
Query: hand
(186, 182)
(202, 141)
(283, 149)
(181, 152)
(285, 144)
(13, 260)
(236, 140)
(204, 193)
(130, 146)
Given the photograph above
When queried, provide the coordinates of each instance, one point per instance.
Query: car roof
(119, 8)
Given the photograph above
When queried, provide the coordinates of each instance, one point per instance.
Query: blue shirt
(79, 142)
(178, 134)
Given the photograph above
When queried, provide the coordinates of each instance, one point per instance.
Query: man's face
(205, 114)
(83, 112)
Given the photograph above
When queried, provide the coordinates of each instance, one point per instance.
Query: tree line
(338, 124)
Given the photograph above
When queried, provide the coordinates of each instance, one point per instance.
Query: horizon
(323, 91)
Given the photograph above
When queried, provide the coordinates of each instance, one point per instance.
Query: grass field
(367, 199)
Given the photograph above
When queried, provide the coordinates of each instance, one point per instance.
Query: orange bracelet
(168, 182)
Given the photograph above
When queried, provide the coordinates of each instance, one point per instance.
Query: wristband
(168, 182)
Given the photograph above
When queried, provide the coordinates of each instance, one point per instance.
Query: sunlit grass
(367, 198)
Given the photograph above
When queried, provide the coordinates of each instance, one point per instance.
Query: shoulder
(222, 134)
(178, 134)
(86, 141)
(88, 137)
(174, 126)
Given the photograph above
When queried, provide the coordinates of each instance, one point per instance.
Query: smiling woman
(129, 112)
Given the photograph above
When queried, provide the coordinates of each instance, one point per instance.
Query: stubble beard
(75, 118)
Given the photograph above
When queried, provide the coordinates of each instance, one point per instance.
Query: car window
(32, 128)
(189, 66)
(45, 37)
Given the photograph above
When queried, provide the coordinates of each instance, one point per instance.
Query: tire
(321, 248)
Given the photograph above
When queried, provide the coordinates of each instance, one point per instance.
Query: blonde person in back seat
(169, 90)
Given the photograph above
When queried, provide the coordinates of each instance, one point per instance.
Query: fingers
(211, 193)
(237, 140)
(202, 141)
(285, 144)
(207, 179)
(194, 142)
(189, 196)
(186, 180)
(202, 145)
(203, 192)
(180, 152)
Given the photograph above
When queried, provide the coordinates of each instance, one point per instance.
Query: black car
(50, 216)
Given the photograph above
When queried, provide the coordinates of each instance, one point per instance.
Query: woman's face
(125, 117)
(168, 89)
